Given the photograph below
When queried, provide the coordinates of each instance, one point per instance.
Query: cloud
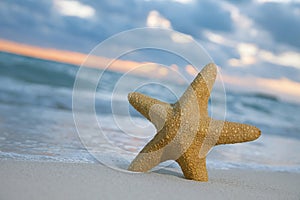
(250, 54)
(262, 37)
(198, 16)
(281, 20)
(219, 39)
(289, 58)
(184, 1)
(74, 8)
(283, 88)
(277, 1)
(155, 19)
(180, 38)
(240, 20)
(80, 25)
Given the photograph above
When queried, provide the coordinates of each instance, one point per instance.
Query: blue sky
(258, 38)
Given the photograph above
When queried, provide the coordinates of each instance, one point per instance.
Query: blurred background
(255, 43)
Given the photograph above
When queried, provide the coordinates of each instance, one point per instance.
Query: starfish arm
(193, 167)
(154, 110)
(143, 162)
(233, 132)
(200, 88)
(206, 78)
(151, 155)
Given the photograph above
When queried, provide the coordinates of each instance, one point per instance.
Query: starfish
(185, 131)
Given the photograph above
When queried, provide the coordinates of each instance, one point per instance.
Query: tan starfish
(185, 132)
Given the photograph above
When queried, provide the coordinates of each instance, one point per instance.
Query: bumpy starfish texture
(185, 132)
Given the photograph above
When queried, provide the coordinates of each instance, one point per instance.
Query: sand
(50, 180)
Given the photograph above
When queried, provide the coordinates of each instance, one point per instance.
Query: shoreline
(53, 180)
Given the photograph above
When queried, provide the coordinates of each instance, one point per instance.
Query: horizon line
(283, 88)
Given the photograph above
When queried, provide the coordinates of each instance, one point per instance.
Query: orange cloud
(282, 88)
(76, 58)
(42, 53)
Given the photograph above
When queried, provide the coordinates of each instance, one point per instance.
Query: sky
(256, 42)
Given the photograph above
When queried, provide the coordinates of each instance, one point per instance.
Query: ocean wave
(38, 83)
(36, 71)
(37, 122)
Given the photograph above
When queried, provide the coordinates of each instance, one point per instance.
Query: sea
(37, 121)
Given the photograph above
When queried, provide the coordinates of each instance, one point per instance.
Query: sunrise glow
(284, 88)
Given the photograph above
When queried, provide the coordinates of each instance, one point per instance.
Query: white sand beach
(50, 180)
